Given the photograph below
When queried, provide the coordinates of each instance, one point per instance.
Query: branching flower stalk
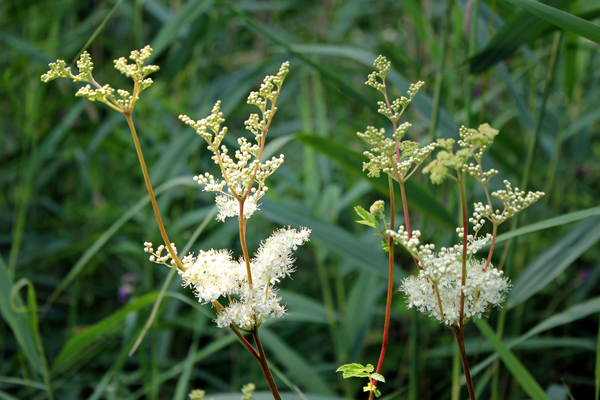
(453, 286)
(124, 103)
(247, 284)
(399, 159)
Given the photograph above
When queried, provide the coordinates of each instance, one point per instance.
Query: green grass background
(74, 214)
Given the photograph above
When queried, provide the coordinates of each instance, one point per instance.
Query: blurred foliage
(73, 217)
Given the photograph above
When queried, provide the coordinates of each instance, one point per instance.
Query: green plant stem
(161, 226)
(265, 366)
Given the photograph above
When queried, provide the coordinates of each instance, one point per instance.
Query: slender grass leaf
(597, 369)
(296, 366)
(417, 196)
(567, 316)
(362, 299)
(269, 396)
(335, 238)
(182, 390)
(550, 223)
(114, 228)
(517, 30)
(206, 351)
(190, 12)
(6, 396)
(552, 262)
(422, 102)
(512, 363)
(22, 382)
(75, 346)
(17, 321)
(562, 19)
(303, 309)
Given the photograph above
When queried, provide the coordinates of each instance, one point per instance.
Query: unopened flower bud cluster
(105, 94)
(157, 257)
(514, 201)
(395, 157)
(244, 170)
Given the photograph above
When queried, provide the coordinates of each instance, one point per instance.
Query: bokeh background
(76, 288)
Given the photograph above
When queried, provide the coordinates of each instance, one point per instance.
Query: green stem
(161, 226)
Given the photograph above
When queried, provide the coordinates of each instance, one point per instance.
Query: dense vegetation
(74, 212)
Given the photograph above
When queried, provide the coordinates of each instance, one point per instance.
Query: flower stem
(161, 226)
(390, 290)
(460, 340)
(265, 366)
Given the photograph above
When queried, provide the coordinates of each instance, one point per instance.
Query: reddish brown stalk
(265, 366)
(460, 341)
(459, 332)
(390, 290)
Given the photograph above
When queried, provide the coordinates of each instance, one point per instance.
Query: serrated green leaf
(353, 370)
(369, 368)
(367, 218)
(353, 366)
(378, 377)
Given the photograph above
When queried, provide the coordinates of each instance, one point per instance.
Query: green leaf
(367, 218)
(77, 346)
(518, 371)
(378, 377)
(17, 321)
(113, 229)
(295, 364)
(353, 370)
(562, 19)
(178, 24)
(569, 315)
(597, 370)
(517, 30)
(550, 222)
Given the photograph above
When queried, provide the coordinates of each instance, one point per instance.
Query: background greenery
(74, 216)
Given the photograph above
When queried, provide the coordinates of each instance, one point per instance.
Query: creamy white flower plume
(483, 288)
(213, 274)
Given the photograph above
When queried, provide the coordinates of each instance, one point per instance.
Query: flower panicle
(214, 274)
(243, 174)
(93, 91)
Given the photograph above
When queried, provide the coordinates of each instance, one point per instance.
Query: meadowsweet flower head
(214, 274)
(442, 273)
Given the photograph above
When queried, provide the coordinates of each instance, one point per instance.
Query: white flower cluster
(442, 275)
(230, 207)
(213, 274)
